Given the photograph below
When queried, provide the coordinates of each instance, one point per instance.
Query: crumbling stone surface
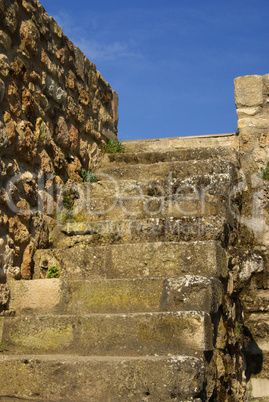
(4, 297)
(55, 111)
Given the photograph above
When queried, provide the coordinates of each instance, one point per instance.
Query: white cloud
(99, 52)
(95, 50)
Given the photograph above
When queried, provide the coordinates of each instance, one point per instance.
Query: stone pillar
(252, 103)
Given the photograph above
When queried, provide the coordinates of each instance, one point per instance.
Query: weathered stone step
(220, 184)
(101, 379)
(132, 156)
(138, 260)
(57, 296)
(109, 334)
(143, 207)
(170, 170)
(140, 231)
(230, 140)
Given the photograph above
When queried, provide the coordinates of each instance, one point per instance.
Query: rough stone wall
(55, 111)
(252, 102)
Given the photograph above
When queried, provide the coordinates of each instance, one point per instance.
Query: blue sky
(172, 62)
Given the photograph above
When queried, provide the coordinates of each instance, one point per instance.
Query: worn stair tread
(227, 140)
(140, 207)
(79, 358)
(187, 154)
(169, 229)
(58, 296)
(218, 183)
(135, 260)
(109, 334)
(82, 228)
(101, 378)
(169, 170)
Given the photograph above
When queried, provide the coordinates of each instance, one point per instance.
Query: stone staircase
(133, 313)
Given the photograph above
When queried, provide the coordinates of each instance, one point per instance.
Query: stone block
(29, 35)
(258, 323)
(27, 142)
(35, 295)
(4, 65)
(42, 132)
(115, 104)
(79, 62)
(84, 97)
(18, 230)
(244, 112)
(254, 123)
(55, 91)
(72, 107)
(58, 296)
(173, 171)
(133, 334)
(94, 379)
(123, 231)
(62, 133)
(73, 137)
(258, 388)
(248, 90)
(144, 207)
(56, 29)
(3, 137)
(11, 17)
(27, 6)
(266, 83)
(14, 99)
(141, 260)
(5, 41)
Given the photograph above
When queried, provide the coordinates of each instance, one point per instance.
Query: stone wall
(55, 112)
(252, 102)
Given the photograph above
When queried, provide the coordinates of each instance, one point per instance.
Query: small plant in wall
(264, 173)
(112, 147)
(3, 347)
(54, 272)
(238, 330)
(69, 197)
(89, 177)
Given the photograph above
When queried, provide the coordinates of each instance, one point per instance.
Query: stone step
(177, 170)
(106, 232)
(230, 140)
(219, 184)
(109, 334)
(139, 207)
(138, 260)
(58, 296)
(99, 379)
(132, 156)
